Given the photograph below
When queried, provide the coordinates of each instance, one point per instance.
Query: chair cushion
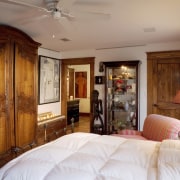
(158, 127)
(129, 132)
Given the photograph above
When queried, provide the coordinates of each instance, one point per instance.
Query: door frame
(64, 67)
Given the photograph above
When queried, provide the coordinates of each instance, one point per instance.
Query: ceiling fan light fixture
(56, 14)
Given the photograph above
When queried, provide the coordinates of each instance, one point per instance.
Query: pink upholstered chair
(156, 127)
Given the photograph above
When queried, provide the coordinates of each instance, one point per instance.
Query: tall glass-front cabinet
(121, 96)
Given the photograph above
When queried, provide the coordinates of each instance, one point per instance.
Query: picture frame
(49, 80)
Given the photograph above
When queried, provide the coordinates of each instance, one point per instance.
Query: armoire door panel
(5, 83)
(3, 131)
(25, 96)
(25, 129)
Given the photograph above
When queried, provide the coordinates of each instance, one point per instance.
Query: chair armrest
(129, 132)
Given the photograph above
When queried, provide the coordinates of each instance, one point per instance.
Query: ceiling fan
(52, 7)
(57, 9)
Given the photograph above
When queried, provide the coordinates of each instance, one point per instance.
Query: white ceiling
(113, 23)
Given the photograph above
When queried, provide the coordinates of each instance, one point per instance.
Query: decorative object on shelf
(109, 90)
(126, 106)
(121, 124)
(118, 86)
(49, 80)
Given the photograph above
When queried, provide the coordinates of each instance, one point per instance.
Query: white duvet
(85, 156)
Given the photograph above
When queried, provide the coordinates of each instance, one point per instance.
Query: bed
(86, 156)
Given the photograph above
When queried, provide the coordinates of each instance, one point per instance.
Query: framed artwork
(49, 80)
(81, 84)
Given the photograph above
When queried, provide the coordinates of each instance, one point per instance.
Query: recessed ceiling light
(53, 36)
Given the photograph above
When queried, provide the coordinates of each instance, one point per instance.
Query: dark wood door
(163, 83)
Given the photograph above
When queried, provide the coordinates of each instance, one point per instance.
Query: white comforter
(85, 156)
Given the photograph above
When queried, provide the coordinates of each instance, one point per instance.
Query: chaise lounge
(156, 127)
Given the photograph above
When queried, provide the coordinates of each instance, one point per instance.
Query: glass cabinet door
(121, 96)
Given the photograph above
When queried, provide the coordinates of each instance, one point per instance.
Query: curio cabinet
(121, 95)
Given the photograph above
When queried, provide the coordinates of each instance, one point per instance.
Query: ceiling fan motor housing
(56, 14)
(51, 4)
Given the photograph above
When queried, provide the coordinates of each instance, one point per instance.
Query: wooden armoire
(18, 92)
(163, 83)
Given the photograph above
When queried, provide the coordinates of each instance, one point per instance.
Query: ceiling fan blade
(93, 2)
(24, 4)
(65, 4)
(33, 19)
(92, 16)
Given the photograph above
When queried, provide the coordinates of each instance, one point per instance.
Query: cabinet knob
(155, 105)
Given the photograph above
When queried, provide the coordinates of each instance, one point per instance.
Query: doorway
(64, 68)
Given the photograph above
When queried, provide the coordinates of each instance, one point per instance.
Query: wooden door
(163, 83)
(25, 81)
